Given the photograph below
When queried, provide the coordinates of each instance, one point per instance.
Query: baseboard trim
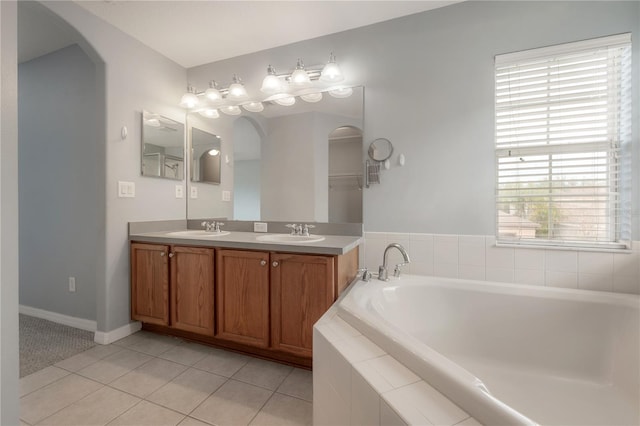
(105, 338)
(81, 323)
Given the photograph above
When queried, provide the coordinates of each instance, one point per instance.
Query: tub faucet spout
(383, 274)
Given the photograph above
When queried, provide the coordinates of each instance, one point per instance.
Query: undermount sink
(288, 238)
(200, 233)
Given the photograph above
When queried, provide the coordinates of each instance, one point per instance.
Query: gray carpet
(43, 343)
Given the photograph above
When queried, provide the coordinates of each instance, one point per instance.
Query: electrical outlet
(72, 284)
(179, 191)
(194, 192)
(259, 227)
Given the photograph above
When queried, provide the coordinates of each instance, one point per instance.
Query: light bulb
(285, 101)
(299, 77)
(253, 106)
(212, 93)
(331, 72)
(312, 97)
(231, 110)
(271, 83)
(189, 100)
(209, 113)
(237, 92)
(213, 152)
(341, 92)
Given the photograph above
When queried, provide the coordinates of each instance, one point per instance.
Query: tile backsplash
(477, 258)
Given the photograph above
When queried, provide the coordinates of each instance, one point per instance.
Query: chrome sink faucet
(300, 229)
(383, 274)
(213, 226)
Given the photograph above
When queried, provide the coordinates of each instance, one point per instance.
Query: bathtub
(509, 354)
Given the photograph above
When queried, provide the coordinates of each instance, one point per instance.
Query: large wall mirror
(295, 163)
(162, 147)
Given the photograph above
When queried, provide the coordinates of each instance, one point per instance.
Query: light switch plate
(259, 227)
(194, 192)
(126, 189)
(179, 191)
(226, 195)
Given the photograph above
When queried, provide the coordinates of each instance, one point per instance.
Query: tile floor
(148, 379)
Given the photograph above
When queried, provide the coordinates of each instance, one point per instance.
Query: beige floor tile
(132, 339)
(190, 421)
(235, 403)
(54, 397)
(299, 384)
(283, 410)
(266, 374)
(186, 353)
(149, 377)
(110, 368)
(98, 408)
(88, 357)
(222, 363)
(187, 391)
(40, 378)
(148, 414)
(155, 344)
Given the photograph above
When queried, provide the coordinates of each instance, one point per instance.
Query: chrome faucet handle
(293, 227)
(305, 229)
(207, 225)
(366, 275)
(217, 226)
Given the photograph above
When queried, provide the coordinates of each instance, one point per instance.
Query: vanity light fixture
(331, 72)
(213, 152)
(212, 93)
(271, 83)
(209, 113)
(231, 110)
(312, 97)
(237, 91)
(299, 77)
(189, 100)
(285, 101)
(253, 106)
(341, 92)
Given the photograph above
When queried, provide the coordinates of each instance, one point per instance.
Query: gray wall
(9, 368)
(246, 186)
(61, 195)
(429, 89)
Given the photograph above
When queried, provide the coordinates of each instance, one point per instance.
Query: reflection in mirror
(162, 147)
(281, 163)
(345, 175)
(205, 154)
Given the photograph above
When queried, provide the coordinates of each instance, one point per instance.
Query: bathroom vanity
(238, 292)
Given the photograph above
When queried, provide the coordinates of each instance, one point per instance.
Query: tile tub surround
(477, 257)
(357, 383)
(159, 380)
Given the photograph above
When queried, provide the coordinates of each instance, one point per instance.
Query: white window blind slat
(562, 120)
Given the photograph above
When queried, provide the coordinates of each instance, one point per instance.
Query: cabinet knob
(263, 262)
(170, 254)
(275, 264)
(162, 253)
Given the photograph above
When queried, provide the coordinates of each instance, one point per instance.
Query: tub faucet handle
(397, 270)
(366, 275)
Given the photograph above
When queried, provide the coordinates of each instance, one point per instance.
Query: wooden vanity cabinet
(173, 286)
(302, 289)
(150, 283)
(242, 297)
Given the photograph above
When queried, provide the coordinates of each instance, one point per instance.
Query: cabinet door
(192, 277)
(301, 291)
(242, 297)
(150, 283)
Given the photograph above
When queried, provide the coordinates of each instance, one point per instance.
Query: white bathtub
(510, 354)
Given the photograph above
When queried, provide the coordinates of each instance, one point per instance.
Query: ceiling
(193, 33)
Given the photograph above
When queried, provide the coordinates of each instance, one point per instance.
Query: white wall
(429, 89)
(135, 78)
(61, 195)
(9, 367)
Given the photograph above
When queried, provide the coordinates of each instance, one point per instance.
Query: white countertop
(331, 245)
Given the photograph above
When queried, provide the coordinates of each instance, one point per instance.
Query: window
(563, 133)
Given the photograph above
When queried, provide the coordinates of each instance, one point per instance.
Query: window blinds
(563, 120)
